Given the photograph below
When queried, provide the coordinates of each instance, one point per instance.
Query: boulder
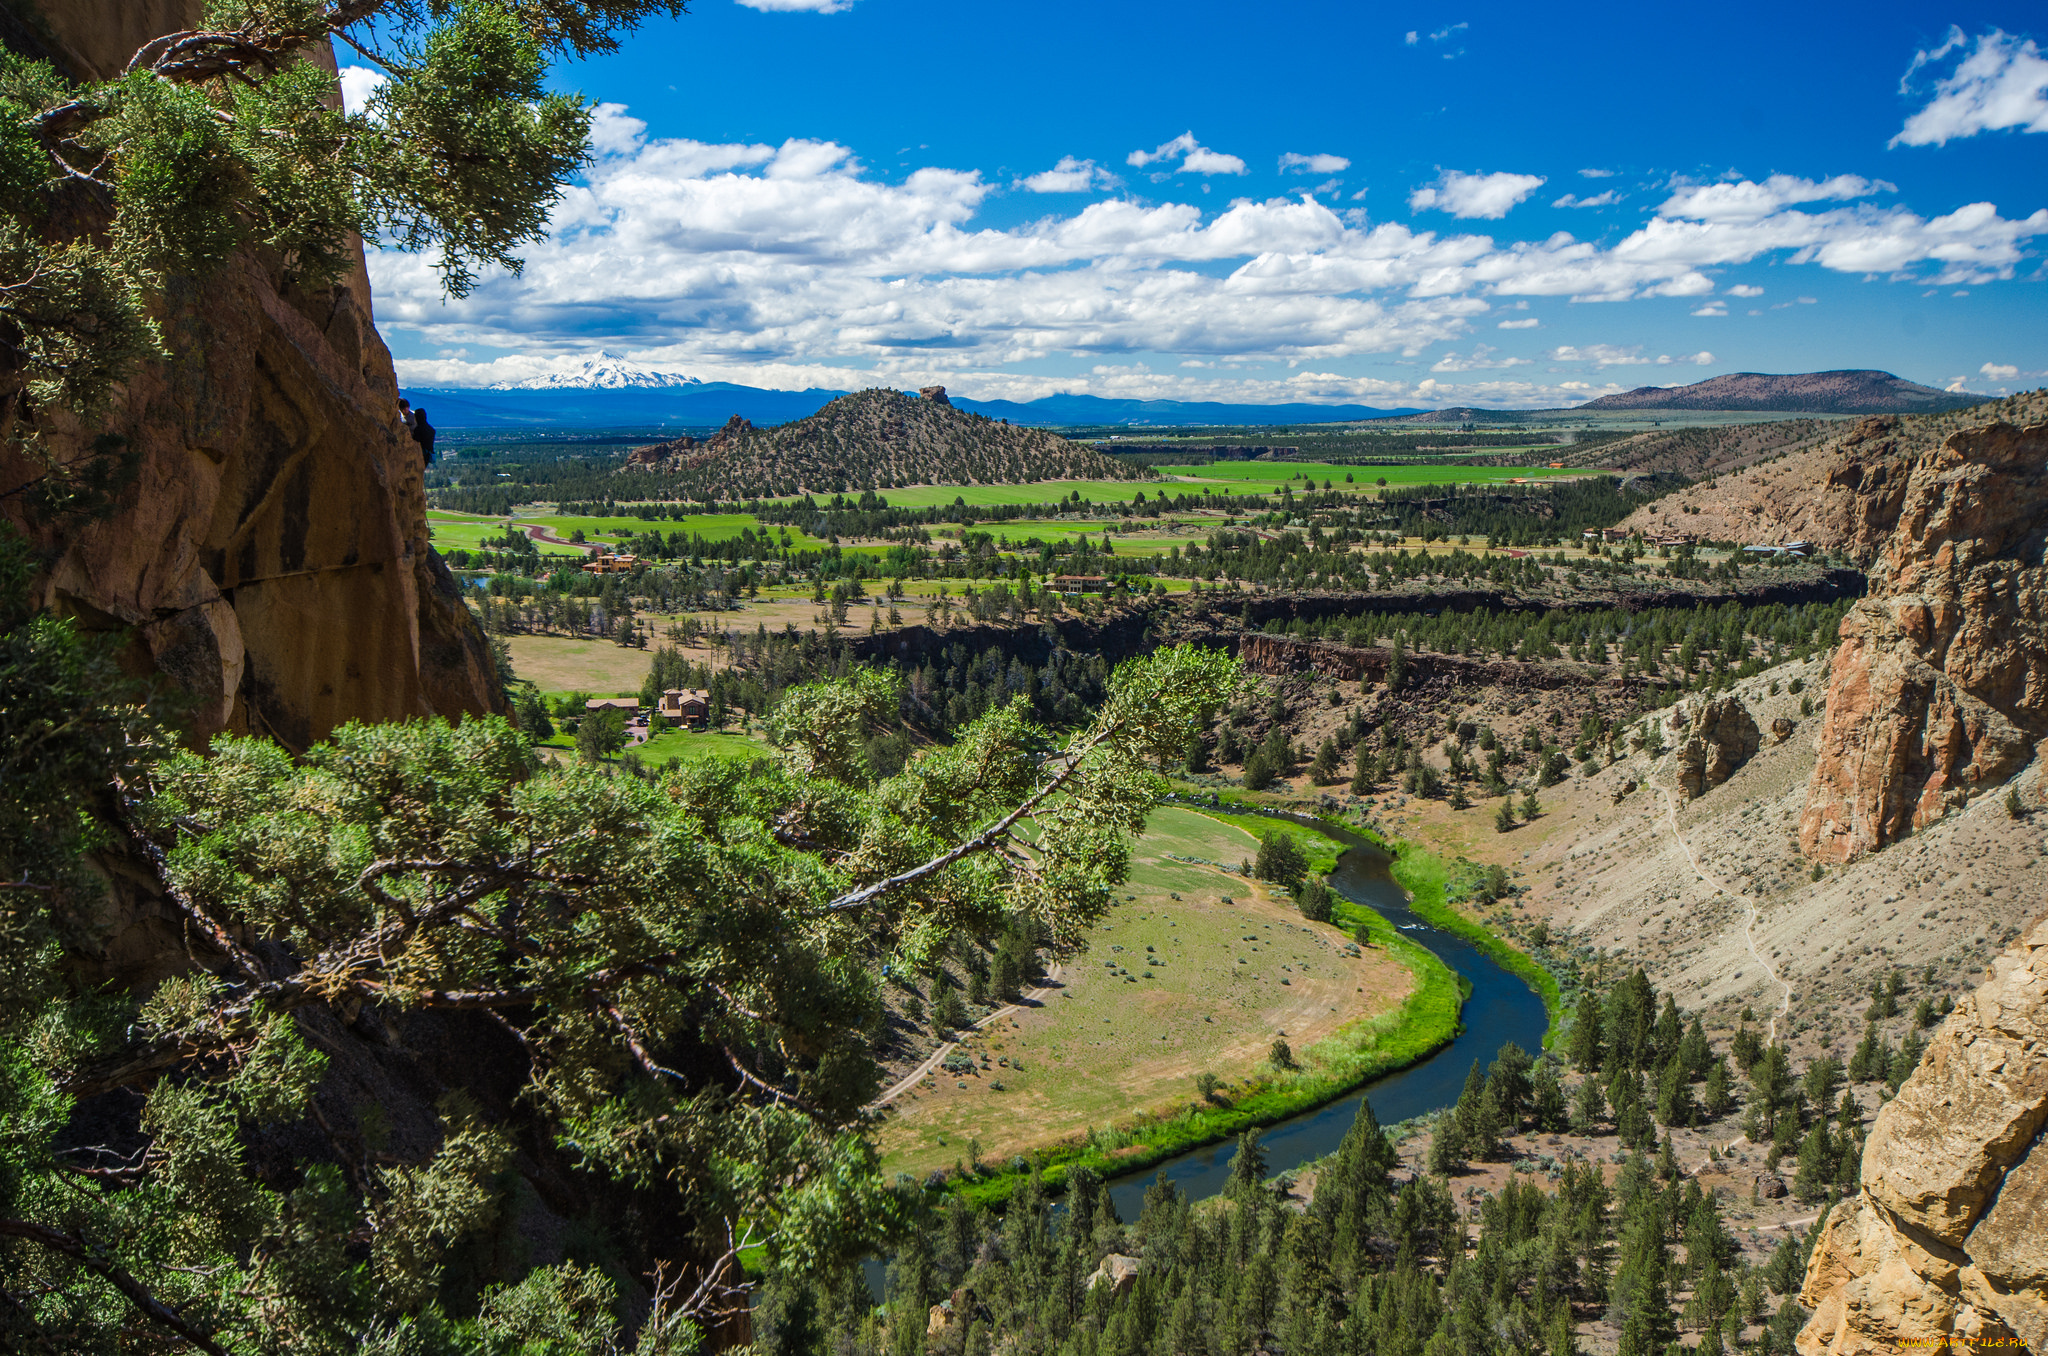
(1117, 1271)
(1943, 1239)
(1713, 737)
(1781, 730)
(1769, 1186)
(1938, 691)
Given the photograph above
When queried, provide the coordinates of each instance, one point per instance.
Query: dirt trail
(541, 534)
(1748, 927)
(906, 1084)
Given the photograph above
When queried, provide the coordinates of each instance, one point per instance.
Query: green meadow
(1252, 475)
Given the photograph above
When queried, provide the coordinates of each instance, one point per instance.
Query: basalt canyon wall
(271, 554)
(1944, 1243)
(1939, 689)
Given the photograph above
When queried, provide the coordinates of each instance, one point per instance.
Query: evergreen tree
(1589, 1106)
(1586, 1046)
(1549, 1103)
(1247, 1178)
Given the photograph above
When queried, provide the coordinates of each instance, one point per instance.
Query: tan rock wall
(1939, 689)
(1945, 1241)
(271, 554)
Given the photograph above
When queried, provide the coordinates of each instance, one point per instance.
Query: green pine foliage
(228, 138)
(680, 980)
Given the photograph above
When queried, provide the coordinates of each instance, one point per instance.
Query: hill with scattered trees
(871, 440)
(1842, 392)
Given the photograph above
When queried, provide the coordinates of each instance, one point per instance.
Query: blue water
(1501, 1008)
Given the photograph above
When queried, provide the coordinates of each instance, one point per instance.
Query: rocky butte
(1939, 689)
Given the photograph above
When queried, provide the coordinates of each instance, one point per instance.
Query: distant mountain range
(605, 372)
(1845, 392)
(607, 391)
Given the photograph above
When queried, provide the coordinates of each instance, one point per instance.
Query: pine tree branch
(93, 1258)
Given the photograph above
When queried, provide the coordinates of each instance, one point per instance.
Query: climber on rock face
(423, 434)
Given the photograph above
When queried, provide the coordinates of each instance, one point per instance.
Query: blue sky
(1495, 205)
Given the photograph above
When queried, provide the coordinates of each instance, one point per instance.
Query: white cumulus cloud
(613, 132)
(1482, 357)
(2000, 371)
(1746, 200)
(1488, 196)
(1294, 162)
(1070, 175)
(1745, 290)
(1713, 308)
(798, 6)
(1592, 200)
(358, 83)
(2001, 84)
(1194, 157)
(795, 264)
(1596, 174)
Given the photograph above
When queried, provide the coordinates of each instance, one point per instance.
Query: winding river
(1501, 1008)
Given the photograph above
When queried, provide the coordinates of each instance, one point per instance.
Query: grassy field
(1253, 476)
(689, 744)
(1036, 492)
(1175, 982)
(456, 529)
(566, 664)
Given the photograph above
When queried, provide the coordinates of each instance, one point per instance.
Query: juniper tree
(684, 974)
(230, 137)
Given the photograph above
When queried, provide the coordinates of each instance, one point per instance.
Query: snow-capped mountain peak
(604, 372)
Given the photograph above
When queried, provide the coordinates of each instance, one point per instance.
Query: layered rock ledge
(1944, 1240)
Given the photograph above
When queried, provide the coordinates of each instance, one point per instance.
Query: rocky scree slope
(271, 555)
(872, 440)
(1943, 1241)
(1939, 689)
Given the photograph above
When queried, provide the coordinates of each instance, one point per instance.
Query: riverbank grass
(1104, 1072)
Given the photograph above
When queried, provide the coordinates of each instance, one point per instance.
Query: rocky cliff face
(1939, 690)
(272, 554)
(1944, 1242)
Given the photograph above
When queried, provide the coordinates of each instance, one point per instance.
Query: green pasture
(1192, 972)
(1364, 478)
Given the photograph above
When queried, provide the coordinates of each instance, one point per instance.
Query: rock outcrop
(1944, 1240)
(1713, 737)
(271, 555)
(1939, 689)
(935, 394)
(1117, 1271)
